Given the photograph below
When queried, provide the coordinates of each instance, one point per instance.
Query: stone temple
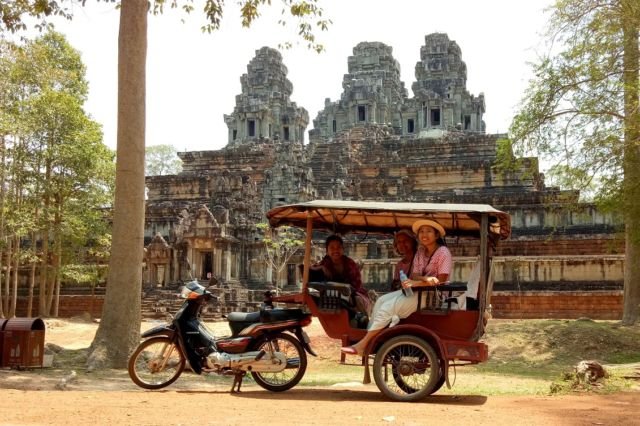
(376, 143)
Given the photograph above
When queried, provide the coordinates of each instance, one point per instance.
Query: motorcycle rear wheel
(296, 363)
(414, 366)
(156, 363)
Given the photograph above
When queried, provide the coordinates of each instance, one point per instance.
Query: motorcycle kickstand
(237, 378)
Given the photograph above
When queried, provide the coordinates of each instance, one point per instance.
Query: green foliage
(161, 160)
(307, 14)
(581, 113)
(79, 274)
(506, 162)
(12, 13)
(280, 244)
(565, 176)
(58, 174)
(572, 114)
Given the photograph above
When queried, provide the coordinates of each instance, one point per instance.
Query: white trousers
(390, 304)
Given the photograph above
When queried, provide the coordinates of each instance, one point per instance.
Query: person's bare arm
(425, 281)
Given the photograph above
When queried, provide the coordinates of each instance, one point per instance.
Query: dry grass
(526, 357)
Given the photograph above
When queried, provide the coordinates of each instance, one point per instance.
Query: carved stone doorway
(207, 265)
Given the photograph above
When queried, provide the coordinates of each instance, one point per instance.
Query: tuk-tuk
(412, 359)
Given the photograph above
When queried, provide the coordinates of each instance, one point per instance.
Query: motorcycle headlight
(185, 293)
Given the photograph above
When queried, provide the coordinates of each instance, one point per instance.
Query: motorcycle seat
(238, 321)
(248, 317)
(268, 315)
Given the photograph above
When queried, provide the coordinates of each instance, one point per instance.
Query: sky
(194, 77)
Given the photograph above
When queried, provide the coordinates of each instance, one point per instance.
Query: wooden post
(307, 254)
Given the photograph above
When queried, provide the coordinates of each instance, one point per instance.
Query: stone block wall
(70, 306)
(603, 305)
(560, 273)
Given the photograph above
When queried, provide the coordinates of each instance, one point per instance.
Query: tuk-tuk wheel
(406, 368)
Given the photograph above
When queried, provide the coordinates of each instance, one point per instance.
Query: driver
(340, 268)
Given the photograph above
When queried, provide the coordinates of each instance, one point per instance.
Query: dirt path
(110, 398)
(319, 406)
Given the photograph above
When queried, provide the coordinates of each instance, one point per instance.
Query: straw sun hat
(427, 222)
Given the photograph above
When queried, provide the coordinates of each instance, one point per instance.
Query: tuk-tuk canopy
(380, 217)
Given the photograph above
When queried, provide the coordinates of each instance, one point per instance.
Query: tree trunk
(32, 282)
(44, 274)
(16, 269)
(2, 196)
(631, 185)
(7, 278)
(58, 275)
(119, 330)
(1, 298)
(50, 289)
(44, 278)
(55, 278)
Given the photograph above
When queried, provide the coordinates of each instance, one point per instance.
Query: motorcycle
(269, 344)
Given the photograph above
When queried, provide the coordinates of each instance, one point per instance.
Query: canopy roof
(381, 217)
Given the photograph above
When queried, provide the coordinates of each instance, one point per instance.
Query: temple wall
(603, 305)
(562, 273)
(597, 305)
(566, 273)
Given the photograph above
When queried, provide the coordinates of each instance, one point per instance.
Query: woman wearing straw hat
(431, 266)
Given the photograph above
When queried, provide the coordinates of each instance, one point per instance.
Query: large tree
(119, 329)
(580, 113)
(162, 160)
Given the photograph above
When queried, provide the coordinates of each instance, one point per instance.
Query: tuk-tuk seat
(332, 296)
(438, 299)
(468, 301)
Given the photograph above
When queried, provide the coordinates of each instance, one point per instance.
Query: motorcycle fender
(303, 337)
(159, 330)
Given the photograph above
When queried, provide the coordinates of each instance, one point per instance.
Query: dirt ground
(57, 396)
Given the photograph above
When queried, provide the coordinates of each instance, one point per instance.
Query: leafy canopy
(307, 14)
(572, 115)
(161, 160)
(280, 244)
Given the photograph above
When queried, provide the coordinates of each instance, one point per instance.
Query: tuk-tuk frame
(454, 335)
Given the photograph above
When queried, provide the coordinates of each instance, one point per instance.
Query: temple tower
(372, 93)
(263, 109)
(441, 100)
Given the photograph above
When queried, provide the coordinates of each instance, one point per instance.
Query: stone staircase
(161, 303)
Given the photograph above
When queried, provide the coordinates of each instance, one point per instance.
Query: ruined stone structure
(373, 93)
(375, 143)
(264, 110)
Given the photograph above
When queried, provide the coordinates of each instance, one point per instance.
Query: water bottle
(406, 291)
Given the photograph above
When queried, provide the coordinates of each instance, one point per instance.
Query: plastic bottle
(407, 291)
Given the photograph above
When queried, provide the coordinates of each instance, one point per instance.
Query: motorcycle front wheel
(156, 363)
(296, 362)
